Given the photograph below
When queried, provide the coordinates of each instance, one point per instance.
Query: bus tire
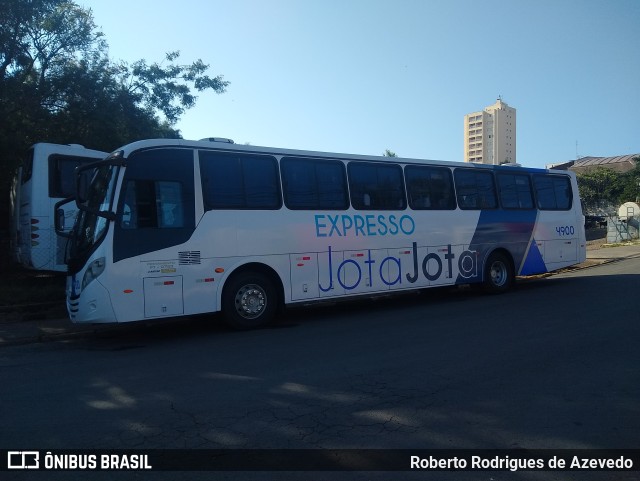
(498, 274)
(249, 300)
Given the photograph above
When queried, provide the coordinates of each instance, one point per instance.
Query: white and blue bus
(45, 177)
(172, 227)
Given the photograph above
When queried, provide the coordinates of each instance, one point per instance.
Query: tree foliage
(57, 84)
(605, 189)
(166, 88)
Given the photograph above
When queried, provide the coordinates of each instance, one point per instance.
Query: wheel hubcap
(250, 301)
(498, 274)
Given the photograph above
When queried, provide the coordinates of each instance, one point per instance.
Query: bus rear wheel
(498, 274)
(249, 300)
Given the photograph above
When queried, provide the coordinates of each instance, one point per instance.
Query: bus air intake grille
(188, 258)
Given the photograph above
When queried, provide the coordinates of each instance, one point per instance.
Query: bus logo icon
(23, 459)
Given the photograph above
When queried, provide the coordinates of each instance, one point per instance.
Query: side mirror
(60, 220)
(60, 215)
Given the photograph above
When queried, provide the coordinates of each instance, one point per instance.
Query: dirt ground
(595, 238)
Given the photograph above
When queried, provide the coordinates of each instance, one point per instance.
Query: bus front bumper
(92, 305)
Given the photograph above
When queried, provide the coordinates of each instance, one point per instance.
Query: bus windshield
(92, 222)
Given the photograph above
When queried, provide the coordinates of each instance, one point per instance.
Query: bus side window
(429, 188)
(553, 192)
(299, 184)
(239, 181)
(152, 204)
(376, 186)
(156, 204)
(62, 179)
(475, 189)
(515, 191)
(314, 184)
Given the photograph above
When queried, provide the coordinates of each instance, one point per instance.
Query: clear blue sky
(361, 76)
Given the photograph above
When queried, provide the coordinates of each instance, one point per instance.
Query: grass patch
(622, 244)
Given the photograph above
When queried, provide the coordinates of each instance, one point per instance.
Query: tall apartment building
(490, 135)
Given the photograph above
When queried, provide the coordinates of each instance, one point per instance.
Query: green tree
(389, 153)
(603, 188)
(57, 84)
(631, 184)
(166, 88)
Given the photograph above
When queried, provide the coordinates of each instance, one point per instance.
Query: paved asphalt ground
(473, 376)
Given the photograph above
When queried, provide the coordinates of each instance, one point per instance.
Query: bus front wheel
(249, 300)
(498, 274)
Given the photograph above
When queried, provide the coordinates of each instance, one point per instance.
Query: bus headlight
(93, 271)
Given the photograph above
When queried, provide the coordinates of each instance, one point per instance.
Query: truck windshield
(91, 227)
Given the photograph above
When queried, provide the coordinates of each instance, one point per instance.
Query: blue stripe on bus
(533, 264)
(512, 229)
